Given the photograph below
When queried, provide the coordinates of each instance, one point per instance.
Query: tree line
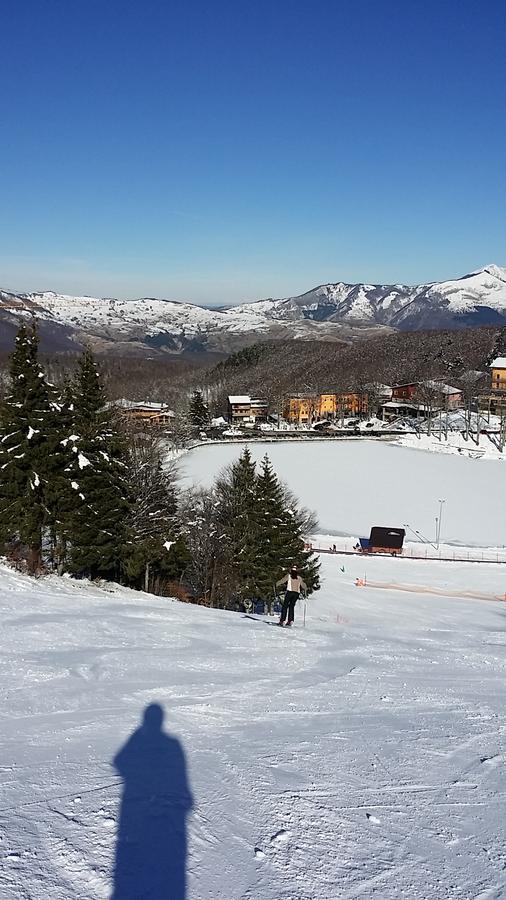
(83, 494)
(276, 369)
(244, 533)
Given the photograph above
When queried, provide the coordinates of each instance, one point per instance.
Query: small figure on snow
(294, 586)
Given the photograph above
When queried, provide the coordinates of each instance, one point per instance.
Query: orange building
(301, 409)
(327, 406)
(351, 404)
(304, 409)
(498, 374)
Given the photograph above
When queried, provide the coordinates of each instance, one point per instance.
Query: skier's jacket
(294, 585)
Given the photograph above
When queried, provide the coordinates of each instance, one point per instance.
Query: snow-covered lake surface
(356, 484)
(359, 757)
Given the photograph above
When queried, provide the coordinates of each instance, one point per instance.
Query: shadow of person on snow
(151, 840)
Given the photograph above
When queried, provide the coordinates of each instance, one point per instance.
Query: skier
(294, 586)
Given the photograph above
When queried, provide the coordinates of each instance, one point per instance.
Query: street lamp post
(439, 521)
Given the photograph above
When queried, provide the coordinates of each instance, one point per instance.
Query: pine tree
(59, 492)
(98, 523)
(198, 411)
(24, 451)
(237, 515)
(282, 537)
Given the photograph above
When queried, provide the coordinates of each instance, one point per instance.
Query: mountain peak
(492, 269)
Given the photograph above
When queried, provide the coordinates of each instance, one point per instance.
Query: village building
(153, 414)
(446, 396)
(327, 406)
(394, 409)
(351, 403)
(494, 399)
(404, 391)
(301, 409)
(304, 409)
(442, 396)
(498, 374)
(246, 410)
(259, 409)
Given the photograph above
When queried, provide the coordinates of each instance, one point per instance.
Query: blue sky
(221, 150)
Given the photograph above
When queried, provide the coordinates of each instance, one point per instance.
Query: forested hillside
(273, 369)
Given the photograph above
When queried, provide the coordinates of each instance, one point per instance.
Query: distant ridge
(478, 298)
(337, 311)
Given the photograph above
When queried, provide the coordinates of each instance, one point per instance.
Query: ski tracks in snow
(340, 810)
(338, 762)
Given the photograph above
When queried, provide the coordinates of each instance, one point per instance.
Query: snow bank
(455, 444)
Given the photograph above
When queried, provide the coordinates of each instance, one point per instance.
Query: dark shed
(389, 538)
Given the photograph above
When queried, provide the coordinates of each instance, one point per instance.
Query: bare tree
(430, 398)
(197, 519)
(468, 386)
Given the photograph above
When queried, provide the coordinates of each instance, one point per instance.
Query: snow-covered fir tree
(253, 530)
(25, 452)
(281, 525)
(98, 523)
(238, 515)
(198, 412)
(60, 497)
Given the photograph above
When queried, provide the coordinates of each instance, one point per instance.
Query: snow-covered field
(356, 484)
(487, 447)
(359, 757)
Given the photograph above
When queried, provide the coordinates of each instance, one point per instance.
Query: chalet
(393, 409)
(442, 396)
(405, 391)
(259, 409)
(239, 408)
(153, 414)
(498, 374)
(243, 409)
(447, 397)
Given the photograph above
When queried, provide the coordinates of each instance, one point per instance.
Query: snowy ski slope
(360, 757)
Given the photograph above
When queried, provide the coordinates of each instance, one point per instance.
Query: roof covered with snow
(142, 405)
(442, 388)
(403, 404)
(498, 363)
(239, 398)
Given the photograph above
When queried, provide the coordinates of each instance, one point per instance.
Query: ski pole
(305, 605)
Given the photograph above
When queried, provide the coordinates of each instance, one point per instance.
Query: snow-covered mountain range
(337, 311)
(475, 299)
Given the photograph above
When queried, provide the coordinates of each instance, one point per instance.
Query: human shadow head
(151, 844)
(153, 717)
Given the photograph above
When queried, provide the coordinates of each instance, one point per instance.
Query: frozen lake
(356, 484)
